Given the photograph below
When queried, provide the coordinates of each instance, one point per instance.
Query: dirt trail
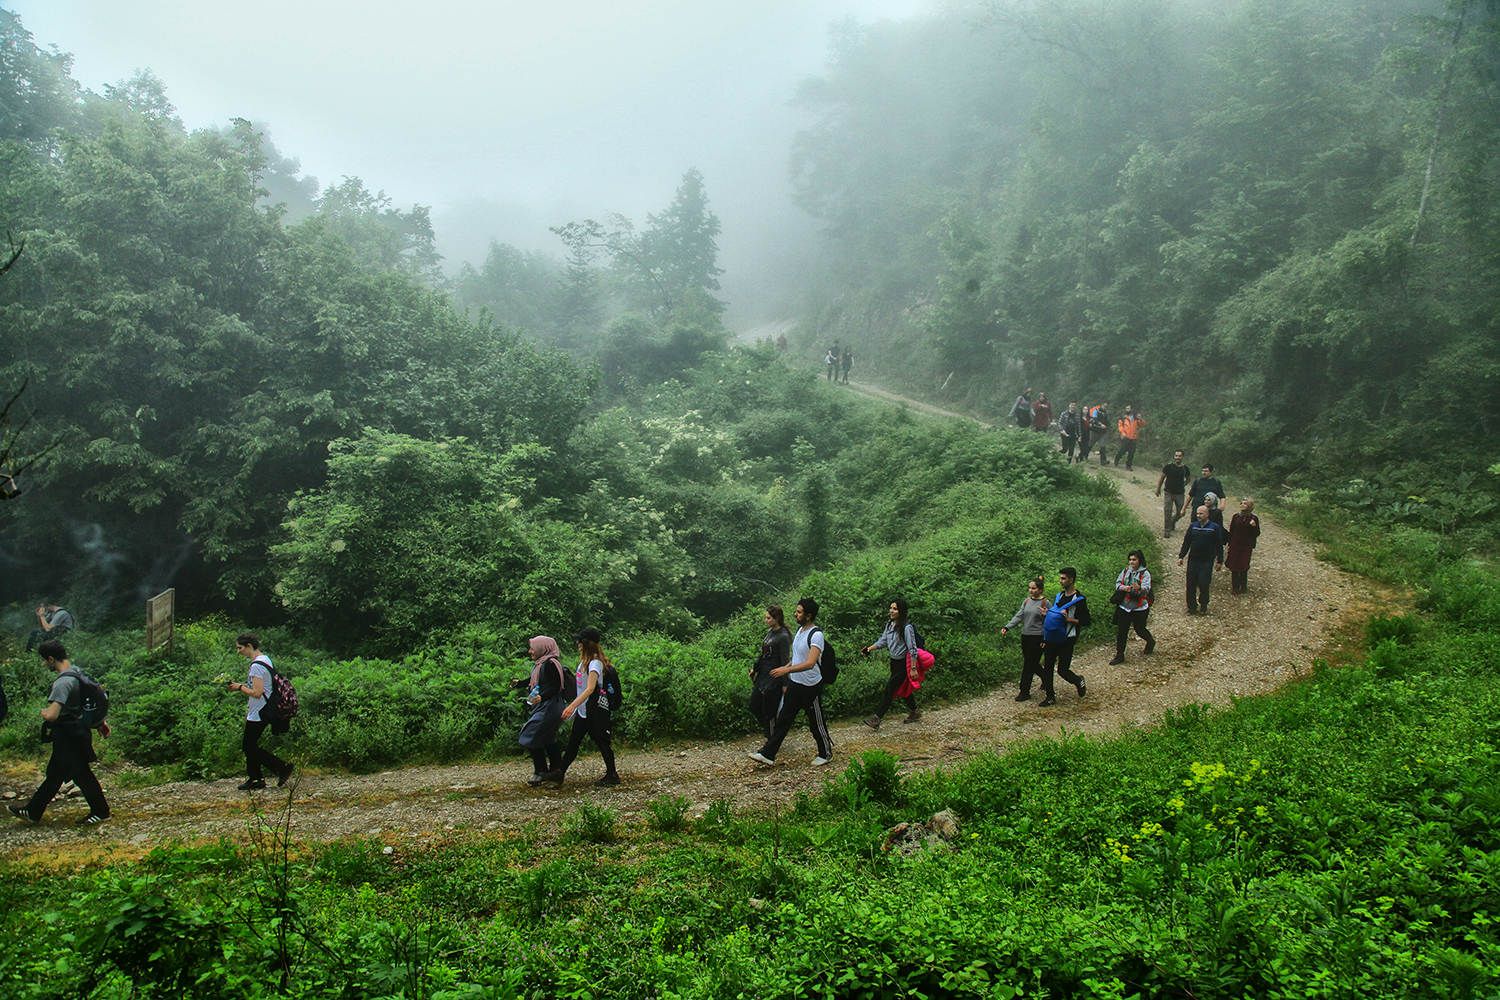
(1251, 644)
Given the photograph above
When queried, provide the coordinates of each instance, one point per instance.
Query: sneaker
(820, 761)
(285, 776)
(92, 819)
(914, 717)
(1024, 696)
(761, 758)
(1192, 611)
(536, 779)
(1150, 648)
(609, 779)
(20, 813)
(252, 785)
(1117, 660)
(873, 722)
(1049, 702)
(1082, 691)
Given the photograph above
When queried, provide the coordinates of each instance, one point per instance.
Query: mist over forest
(1270, 226)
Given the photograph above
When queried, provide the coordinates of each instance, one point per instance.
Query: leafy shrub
(668, 814)
(591, 824)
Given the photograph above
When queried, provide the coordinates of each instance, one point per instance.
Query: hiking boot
(20, 813)
(1049, 702)
(1119, 659)
(1082, 691)
(761, 758)
(252, 785)
(1150, 648)
(609, 779)
(1024, 696)
(92, 819)
(285, 776)
(873, 722)
(915, 716)
(820, 761)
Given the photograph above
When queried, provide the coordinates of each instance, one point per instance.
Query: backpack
(93, 702)
(611, 694)
(1055, 623)
(828, 660)
(281, 701)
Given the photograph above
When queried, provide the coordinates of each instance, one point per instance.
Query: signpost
(159, 620)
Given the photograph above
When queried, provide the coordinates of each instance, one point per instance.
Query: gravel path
(1297, 608)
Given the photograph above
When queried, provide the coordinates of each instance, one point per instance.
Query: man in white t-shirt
(803, 690)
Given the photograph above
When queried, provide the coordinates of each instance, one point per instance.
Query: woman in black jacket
(775, 651)
(551, 689)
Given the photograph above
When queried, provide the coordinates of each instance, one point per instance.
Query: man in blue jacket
(1203, 545)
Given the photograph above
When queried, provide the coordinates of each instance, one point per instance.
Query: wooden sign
(159, 620)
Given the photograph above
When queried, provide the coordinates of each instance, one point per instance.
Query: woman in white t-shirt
(257, 685)
(591, 706)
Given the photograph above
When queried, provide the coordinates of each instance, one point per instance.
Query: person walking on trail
(1202, 486)
(552, 687)
(899, 640)
(1203, 547)
(1058, 653)
(1244, 529)
(848, 363)
(775, 651)
(831, 362)
(1041, 414)
(54, 621)
(1132, 605)
(1068, 424)
(1130, 432)
(781, 344)
(1174, 475)
(257, 686)
(803, 690)
(1029, 617)
(72, 743)
(591, 705)
(1099, 431)
(1020, 410)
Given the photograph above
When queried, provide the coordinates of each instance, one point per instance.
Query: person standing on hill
(1130, 432)
(1202, 486)
(1132, 605)
(1020, 411)
(900, 640)
(1099, 430)
(1041, 414)
(831, 362)
(591, 704)
(775, 651)
(804, 689)
(1203, 546)
(258, 687)
(1067, 428)
(1175, 476)
(552, 687)
(848, 363)
(1244, 529)
(1059, 654)
(72, 743)
(1029, 617)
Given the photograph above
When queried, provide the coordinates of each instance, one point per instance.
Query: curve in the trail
(1296, 609)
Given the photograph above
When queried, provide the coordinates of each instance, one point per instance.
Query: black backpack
(93, 701)
(611, 694)
(828, 662)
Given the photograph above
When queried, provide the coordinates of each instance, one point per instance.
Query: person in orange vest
(1130, 433)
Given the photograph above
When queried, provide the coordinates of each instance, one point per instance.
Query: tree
(681, 245)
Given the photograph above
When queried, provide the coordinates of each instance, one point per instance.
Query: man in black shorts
(1174, 475)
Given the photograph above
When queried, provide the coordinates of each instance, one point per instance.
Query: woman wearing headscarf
(551, 689)
(1215, 509)
(1244, 529)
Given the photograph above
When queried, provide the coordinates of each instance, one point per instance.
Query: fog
(506, 118)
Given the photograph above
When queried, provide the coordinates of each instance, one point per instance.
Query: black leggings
(1031, 663)
(897, 678)
(256, 756)
(597, 726)
(71, 756)
(1059, 654)
(1133, 620)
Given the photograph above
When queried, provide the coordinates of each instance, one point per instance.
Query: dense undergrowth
(1336, 839)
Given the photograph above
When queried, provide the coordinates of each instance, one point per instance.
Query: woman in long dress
(1244, 529)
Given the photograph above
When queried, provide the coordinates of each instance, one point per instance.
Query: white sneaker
(759, 757)
(820, 761)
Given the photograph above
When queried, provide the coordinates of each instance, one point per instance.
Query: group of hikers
(1082, 428)
(837, 362)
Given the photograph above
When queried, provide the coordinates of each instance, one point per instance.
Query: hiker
(1202, 486)
(551, 688)
(1020, 410)
(1132, 604)
(1174, 475)
(1099, 431)
(1244, 529)
(1072, 607)
(1041, 414)
(831, 362)
(591, 704)
(72, 743)
(775, 651)
(1130, 433)
(258, 686)
(848, 363)
(900, 640)
(803, 690)
(54, 621)
(1215, 511)
(1203, 546)
(1068, 425)
(781, 344)
(1029, 617)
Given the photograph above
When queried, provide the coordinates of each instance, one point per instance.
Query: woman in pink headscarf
(551, 688)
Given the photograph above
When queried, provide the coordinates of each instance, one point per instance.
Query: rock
(910, 838)
(387, 850)
(9, 795)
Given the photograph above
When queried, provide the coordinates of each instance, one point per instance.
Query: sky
(505, 117)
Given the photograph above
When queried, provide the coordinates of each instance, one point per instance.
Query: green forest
(1267, 224)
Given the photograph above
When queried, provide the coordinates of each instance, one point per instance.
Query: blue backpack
(1055, 623)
